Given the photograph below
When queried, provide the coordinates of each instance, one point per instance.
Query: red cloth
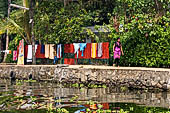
(38, 53)
(68, 48)
(17, 51)
(105, 48)
(86, 52)
(69, 61)
(25, 51)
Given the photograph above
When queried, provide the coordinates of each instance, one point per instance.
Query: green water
(43, 97)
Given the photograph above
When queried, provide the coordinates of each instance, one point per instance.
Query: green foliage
(146, 42)
(144, 35)
(59, 24)
(3, 8)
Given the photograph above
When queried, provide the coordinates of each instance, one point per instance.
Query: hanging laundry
(21, 53)
(105, 49)
(99, 50)
(68, 48)
(55, 55)
(51, 56)
(93, 50)
(18, 51)
(7, 51)
(29, 55)
(10, 51)
(14, 55)
(25, 51)
(86, 52)
(82, 47)
(42, 49)
(76, 48)
(38, 53)
(47, 51)
(59, 50)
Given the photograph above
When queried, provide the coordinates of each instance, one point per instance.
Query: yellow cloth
(47, 50)
(21, 53)
(51, 51)
(93, 50)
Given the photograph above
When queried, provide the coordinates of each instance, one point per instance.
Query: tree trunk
(32, 32)
(7, 36)
(27, 27)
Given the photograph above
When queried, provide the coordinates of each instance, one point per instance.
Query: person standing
(117, 50)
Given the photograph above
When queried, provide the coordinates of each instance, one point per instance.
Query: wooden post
(32, 32)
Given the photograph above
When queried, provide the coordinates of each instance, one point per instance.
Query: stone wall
(150, 78)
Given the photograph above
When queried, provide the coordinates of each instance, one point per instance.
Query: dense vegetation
(144, 31)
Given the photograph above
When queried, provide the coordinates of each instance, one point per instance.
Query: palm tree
(11, 26)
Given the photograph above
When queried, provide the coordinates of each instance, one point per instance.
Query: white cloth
(29, 54)
(7, 51)
(76, 48)
(100, 51)
(51, 51)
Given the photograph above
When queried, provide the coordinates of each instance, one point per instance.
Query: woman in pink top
(117, 50)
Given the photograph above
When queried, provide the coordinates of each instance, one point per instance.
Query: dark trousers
(117, 61)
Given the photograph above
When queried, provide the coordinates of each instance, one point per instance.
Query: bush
(146, 42)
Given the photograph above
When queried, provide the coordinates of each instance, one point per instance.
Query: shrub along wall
(147, 42)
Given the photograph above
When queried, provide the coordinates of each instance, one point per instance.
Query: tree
(3, 8)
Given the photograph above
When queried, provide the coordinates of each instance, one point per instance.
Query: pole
(7, 33)
(32, 32)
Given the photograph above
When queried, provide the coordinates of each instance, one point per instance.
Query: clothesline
(80, 50)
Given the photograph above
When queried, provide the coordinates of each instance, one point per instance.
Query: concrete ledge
(134, 77)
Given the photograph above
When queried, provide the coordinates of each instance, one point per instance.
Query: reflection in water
(46, 93)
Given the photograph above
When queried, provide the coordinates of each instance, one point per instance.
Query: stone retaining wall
(131, 77)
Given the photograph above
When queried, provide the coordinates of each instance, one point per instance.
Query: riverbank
(132, 77)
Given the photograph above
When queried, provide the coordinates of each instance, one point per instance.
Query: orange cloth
(93, 50)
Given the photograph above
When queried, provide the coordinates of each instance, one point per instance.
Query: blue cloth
(55, 59)
(82, 47)
(42, 49)
(76, 48)
(59, 51)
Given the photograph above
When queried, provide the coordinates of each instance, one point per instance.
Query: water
(41, 97)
